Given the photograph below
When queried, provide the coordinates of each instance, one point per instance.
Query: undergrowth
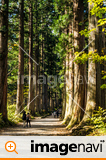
(98, 122)
(95, 126)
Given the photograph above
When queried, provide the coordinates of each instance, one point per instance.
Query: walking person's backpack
(24, 116)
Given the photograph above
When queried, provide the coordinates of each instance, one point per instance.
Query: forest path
(39, 127)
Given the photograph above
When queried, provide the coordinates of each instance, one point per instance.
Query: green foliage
(81, 58)
(103, 86)
(61, 85)
(51, 20)
(98, 119)
(11, 114)
(98, 8)
(6, 123)
(102, 22)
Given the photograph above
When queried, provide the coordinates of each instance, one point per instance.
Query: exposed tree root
(82, 129)
(66, 120)
(72, 123)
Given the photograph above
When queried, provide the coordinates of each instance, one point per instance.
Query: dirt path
(39, 127)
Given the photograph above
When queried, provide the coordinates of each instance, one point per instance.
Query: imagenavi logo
(64, 149)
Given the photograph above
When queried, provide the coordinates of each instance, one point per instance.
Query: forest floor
(48, 126)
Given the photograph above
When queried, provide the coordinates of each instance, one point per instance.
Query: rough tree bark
(31, 85)
(70, 76)
(20, 85)
(67, 78)
(79, 69)
(36, 67)
(64, 92)
(91, 92)
(3, 57)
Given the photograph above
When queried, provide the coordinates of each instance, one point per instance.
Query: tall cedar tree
(31, 86)
(91, 92)
(3, 57)
(79, 69)
(20, 84)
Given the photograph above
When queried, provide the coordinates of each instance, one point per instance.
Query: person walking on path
(24, 118)
(54, 113)
(28, 119)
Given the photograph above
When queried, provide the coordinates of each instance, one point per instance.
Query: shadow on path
(39, 127)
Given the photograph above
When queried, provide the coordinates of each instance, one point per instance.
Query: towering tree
(3, 56)
(36, 55)
(31, 85)
(70, 67)
(20, 85)
(79, 69)
(91, 92)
